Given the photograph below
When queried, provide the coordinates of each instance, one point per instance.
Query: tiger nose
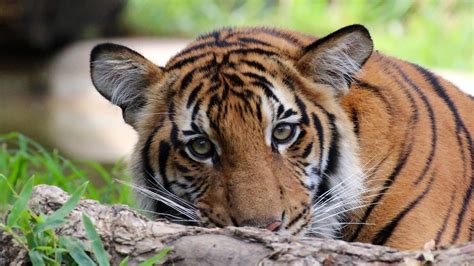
(274, 226)
(269, 224)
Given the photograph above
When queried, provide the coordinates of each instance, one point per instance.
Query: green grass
(24, 163)
(35, 233)
(21, 157)
(434, 33)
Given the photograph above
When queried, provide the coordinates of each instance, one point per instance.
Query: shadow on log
(125, 233)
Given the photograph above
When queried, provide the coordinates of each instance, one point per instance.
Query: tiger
(299, 135)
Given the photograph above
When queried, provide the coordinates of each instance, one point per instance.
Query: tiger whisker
(161, 214)
(188, 211)
(161, 188)
(342, 212)
(181, 209)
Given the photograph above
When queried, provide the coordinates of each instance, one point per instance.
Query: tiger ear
(123, 76)
(335, 59)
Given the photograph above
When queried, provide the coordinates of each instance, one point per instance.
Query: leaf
(49, 223)
(35, 258)
(157, 258)
(76, 249)
(62, 212)
(124, 262)
(21, 204)
(97, 247)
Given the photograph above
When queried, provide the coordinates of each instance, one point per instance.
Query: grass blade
(49, 223)
(157, 258)
(62, 212)
(36, 258)
(124, 262)
(76, 250)
(97, 247)
(21, 204)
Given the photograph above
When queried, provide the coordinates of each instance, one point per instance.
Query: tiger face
(243, 128)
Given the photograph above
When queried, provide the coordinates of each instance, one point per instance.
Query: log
(125, 232)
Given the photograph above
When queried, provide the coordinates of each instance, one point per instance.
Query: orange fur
(398, 140)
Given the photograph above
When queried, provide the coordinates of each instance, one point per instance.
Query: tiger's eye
(201, 147)
(283, 132)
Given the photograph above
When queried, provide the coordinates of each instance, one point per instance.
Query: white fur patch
(345, 192)
(120, 80)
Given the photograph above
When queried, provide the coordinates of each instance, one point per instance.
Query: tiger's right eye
(283, 133)
(201, 148)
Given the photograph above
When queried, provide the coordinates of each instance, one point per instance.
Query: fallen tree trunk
(125, 232)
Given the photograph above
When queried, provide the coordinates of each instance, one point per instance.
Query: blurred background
(45, 89)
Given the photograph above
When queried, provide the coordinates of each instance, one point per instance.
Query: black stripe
(188, 132)
(193, 95)
(460, 126)
(355, 122)
(402, 161)
(307, 150)
(234, 79)
(253, 41)
(257, 77)
(171, 113)
(188, 77)
(288, 113)
(320, 132)
(280, 110)
(181, 168)
(302, 107)
(151, 182)
(387, 184)
(254, 51)
(323, 187)
(145, 154)
(333, 154)
(174, 135)
(266, 90)
(299, 216)
(383, 235)
(210, 44)
(255, 65)
(258, 109)
(185, 61)
(201, 189)
(446, 218)
(163, 153)
(431, 115)
(376, 91)
(196, 110)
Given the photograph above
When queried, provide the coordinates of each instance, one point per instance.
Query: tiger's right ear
(337, 58)
(122, 76)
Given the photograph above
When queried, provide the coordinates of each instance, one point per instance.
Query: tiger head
(244, 127)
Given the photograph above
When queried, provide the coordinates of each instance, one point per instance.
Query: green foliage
(157, 258)
(36, 234)
(96, 244)
(21, 158)
(434, 33)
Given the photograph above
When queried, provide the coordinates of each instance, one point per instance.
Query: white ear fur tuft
(119, 80)
(122, 76)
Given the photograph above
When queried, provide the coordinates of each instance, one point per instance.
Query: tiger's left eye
(283, 133)
(201, 148)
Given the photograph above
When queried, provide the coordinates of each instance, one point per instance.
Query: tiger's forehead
(241, 99)
(230, 42)
(234, 77)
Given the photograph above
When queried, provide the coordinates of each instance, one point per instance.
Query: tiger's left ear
(335, 59)
(123, 77)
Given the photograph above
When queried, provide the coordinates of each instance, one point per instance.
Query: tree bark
(125, 232)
